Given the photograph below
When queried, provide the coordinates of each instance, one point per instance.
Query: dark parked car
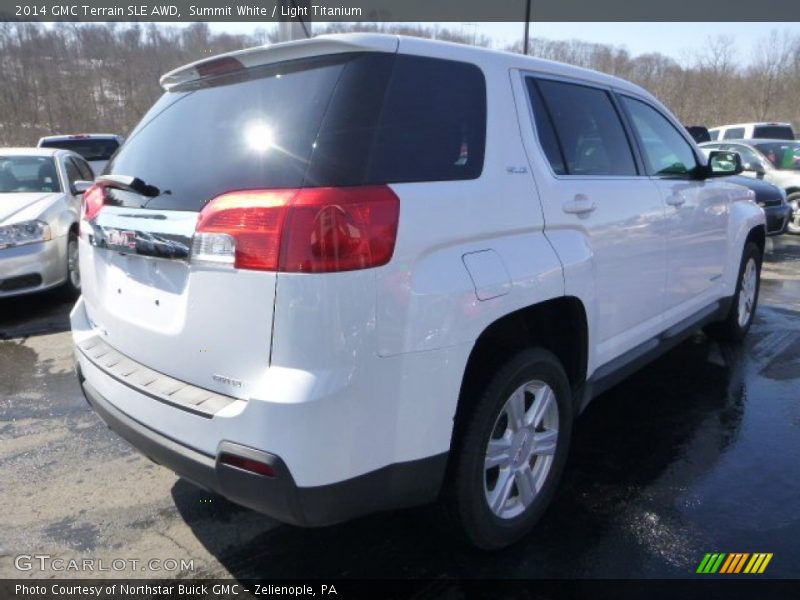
(772, 199)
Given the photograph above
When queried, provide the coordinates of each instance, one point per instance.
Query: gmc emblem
(116, 237)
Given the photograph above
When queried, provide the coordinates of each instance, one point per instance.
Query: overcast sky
(678, 40)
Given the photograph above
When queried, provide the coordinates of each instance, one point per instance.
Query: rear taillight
(92, 201)
(310, 230)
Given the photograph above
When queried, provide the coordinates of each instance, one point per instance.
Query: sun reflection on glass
(258, 137)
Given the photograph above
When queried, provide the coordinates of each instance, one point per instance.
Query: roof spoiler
(272, 53)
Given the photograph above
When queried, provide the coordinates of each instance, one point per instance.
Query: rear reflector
(247, 464)
(310, 230)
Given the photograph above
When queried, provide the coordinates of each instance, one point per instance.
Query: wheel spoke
(525, 485)
(515, 409)
(541, 404)
(501, 492)
(544, 442)
(498, 453)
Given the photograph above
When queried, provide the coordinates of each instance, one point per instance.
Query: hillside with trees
(71, 78)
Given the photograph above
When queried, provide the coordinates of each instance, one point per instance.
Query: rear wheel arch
(558, 325)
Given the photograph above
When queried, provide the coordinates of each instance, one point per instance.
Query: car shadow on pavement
(660, 430)
(34, 314)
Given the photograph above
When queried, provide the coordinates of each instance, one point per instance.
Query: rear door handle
(579, 205)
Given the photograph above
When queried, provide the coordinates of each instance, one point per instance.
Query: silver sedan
(40, 192)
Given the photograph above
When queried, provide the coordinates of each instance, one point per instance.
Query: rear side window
(88, 148)
(589, 131)
(773, 132)
(733, 133)
(544, 129)
(433, 123)
(347, 119)
(713, 134)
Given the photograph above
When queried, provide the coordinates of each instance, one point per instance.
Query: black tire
(732, 328)
(466, 498)
(793, 226)
(71, 289)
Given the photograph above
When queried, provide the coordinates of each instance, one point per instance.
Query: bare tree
(71, 78)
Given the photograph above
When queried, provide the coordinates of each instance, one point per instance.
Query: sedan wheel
(793, 225)
(72, 286)
(73, 264)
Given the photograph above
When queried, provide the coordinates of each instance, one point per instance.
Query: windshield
(88, 148)
(782, 155)
(28, 174)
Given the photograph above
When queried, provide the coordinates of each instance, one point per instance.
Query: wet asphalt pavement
(696, 453)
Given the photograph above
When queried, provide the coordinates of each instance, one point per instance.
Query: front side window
(666, 152)
(85, 170)
(589, 131)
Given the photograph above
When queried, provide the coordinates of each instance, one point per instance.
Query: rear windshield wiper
(129, 184)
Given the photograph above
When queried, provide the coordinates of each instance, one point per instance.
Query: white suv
(361, 272)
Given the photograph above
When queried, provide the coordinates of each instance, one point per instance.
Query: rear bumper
(777, 218)
(395, 486)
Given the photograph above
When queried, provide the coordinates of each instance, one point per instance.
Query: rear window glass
(28, 174)
(90, 149)
(347, 119)
(773, 132)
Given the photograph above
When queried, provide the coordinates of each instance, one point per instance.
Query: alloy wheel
(520, 450)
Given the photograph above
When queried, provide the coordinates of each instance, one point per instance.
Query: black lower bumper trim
(777, 218)
(399, 485)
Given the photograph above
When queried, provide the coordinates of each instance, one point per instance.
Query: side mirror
(80, 187)
(722, 163)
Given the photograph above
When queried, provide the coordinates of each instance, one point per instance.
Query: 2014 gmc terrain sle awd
(362, 272)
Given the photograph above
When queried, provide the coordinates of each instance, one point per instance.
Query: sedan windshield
(782, 155)
(28, 174)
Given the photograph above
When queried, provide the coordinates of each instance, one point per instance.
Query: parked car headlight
(26, 232)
